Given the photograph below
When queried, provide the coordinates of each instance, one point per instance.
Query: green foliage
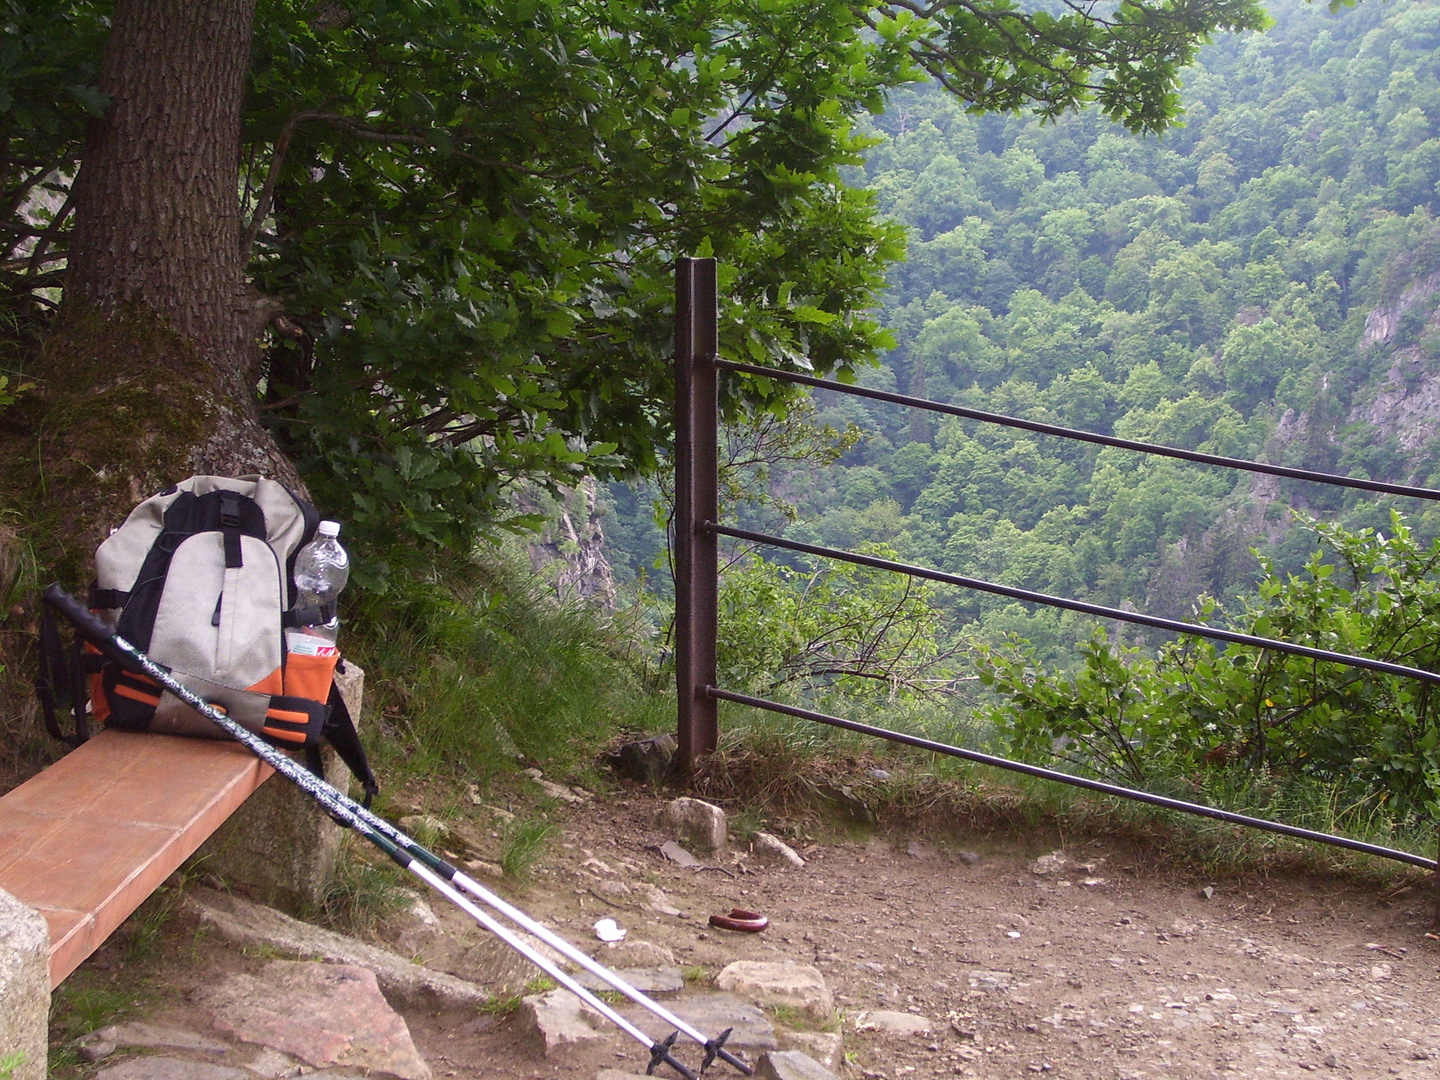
(8, 394)
(1195, 709)
(362, 893)
(523, 843)
(471, 211)
(475, 669)
(866, 633)
(1208, 290)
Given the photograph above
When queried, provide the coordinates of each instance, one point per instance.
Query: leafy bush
(1199, 710)
(867, 633)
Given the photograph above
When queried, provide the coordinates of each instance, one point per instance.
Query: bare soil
(1113, 965)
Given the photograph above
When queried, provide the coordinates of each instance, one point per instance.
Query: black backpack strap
(341, 734)
(59, 679)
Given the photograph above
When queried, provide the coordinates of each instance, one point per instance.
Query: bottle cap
(328, 528)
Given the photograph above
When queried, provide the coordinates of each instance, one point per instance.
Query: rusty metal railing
(697, 529)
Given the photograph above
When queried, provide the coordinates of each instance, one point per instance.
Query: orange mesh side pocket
(309, 676)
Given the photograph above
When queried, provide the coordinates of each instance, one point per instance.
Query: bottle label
(310, 645)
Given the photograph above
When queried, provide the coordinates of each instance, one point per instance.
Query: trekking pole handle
(92, 628)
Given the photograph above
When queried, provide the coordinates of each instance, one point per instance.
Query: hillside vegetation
(1259, 283)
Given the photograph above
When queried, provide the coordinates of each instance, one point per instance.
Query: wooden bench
(86, 841)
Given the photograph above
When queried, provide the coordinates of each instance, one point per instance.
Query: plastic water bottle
(321, 569)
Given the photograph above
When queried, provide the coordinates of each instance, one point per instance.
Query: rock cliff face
(570, 549)
(1401, 404)
(1382, 324)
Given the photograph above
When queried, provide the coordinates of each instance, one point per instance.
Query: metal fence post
(696, 504)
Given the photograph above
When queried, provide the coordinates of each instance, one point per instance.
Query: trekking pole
(713, 1047)
(347, 813)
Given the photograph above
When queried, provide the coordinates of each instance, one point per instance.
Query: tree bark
(157, 215)
(151, 373)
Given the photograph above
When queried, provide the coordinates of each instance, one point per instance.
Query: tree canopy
(465, 214)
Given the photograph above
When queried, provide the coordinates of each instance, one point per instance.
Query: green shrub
(1197, 710)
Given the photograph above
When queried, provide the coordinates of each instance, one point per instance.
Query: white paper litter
(609, 930)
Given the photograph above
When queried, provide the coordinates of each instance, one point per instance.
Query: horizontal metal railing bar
(1075, 781)
(1171, 625)
(1084, 436)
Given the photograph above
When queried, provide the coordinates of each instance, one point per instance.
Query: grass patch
(799, 1019)
(79, 1006)
(504, 1004)
(794, 773)
(363, 893)
(481, 670)
(523, 842)
(500, 1005)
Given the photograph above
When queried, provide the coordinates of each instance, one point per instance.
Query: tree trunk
(151, 373)
(157, 216)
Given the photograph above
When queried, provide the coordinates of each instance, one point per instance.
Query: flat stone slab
(791, 1065)
(658, 982)
(250, 924)
(783, 983)
(558, 1022)
(712, 1013)
(156, 1035)
(159, 1067)
(899, 1024)
(328, 1015)
(677, 854)
(826, 1047)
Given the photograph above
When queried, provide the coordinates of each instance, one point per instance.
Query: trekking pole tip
(660, 1054)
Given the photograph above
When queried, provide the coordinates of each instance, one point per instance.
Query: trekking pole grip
(91, 626)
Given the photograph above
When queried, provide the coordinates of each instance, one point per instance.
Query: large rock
(635, 953)
(255, 926)
(781, 983)
(791, 1065)
(24, 987)
(559, 1022)
(768, 846)
(700, 823)
(657, 982)
(751, 1031)
(324, 1014)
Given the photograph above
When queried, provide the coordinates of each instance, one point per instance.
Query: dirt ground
(1108, 966)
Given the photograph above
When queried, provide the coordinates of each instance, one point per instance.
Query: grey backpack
(200, 578)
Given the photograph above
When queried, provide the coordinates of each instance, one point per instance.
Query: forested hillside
(1260, 282)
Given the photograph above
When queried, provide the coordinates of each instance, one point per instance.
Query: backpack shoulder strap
(60, 679)
(340, 733)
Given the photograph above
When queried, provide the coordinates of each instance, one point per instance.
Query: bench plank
(87, 840)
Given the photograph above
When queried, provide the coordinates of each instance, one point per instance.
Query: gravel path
(1091, 964)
